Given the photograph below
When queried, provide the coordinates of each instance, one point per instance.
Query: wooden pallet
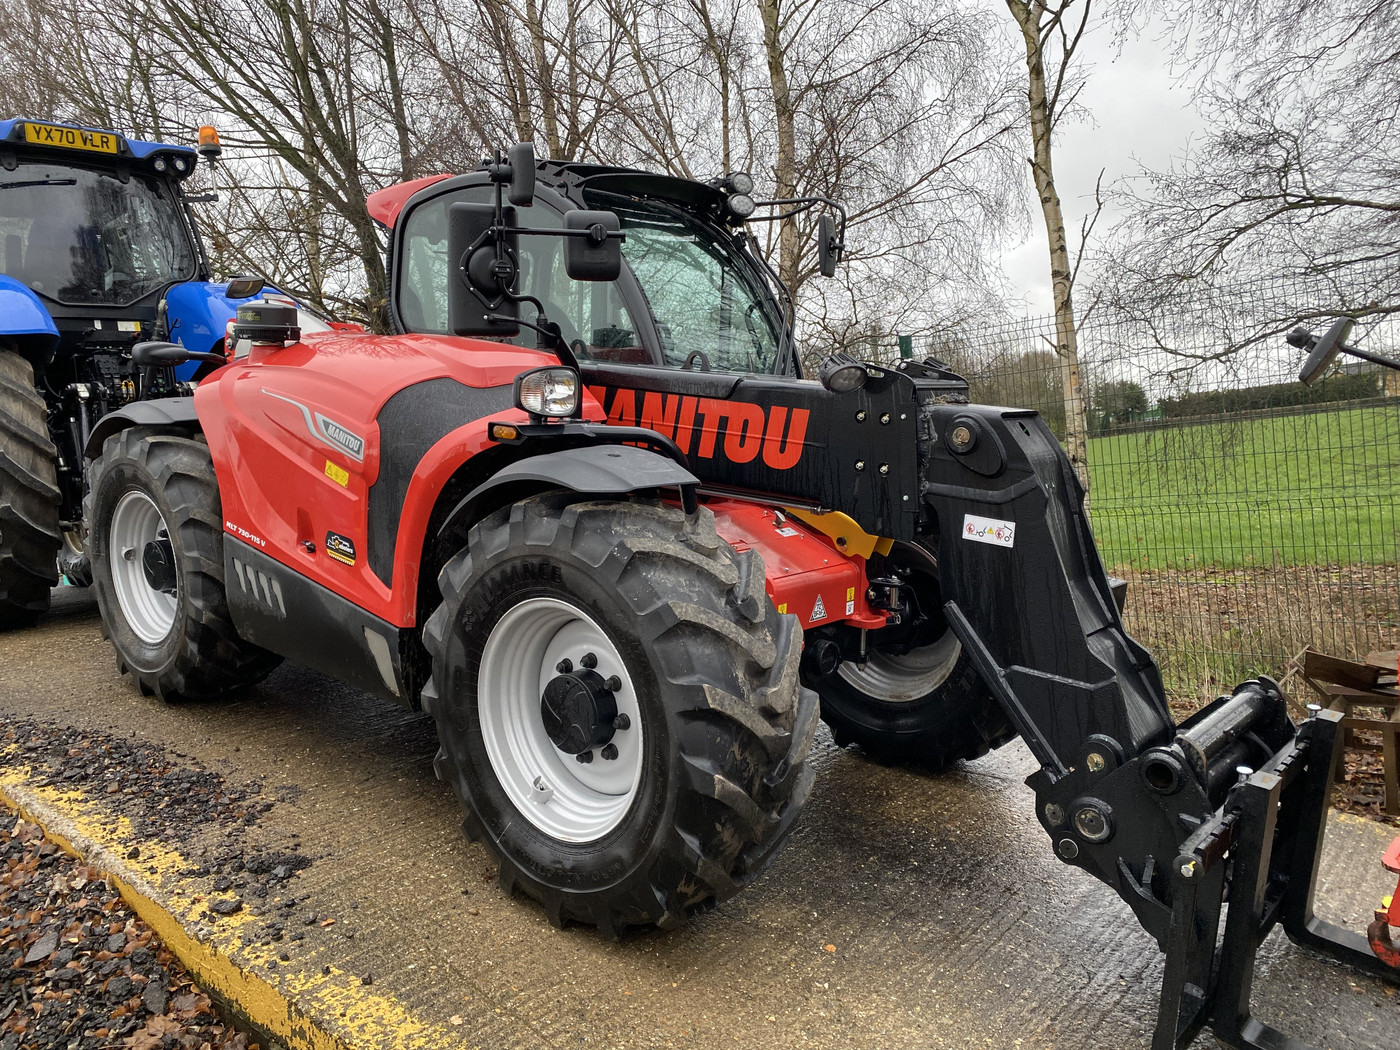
(1345, 685)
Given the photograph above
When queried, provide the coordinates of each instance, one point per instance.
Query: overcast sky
(1139, 117)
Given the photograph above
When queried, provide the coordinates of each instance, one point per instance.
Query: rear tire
(927, 707)
(29, 497)
(710, 770)
(155, 535)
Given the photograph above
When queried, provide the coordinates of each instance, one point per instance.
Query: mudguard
(166, 411)
(25, 320)
(602, 470)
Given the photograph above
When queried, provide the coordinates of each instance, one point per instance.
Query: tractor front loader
(585, 510)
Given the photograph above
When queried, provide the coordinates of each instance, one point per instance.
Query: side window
(423, 274)
(590, 314)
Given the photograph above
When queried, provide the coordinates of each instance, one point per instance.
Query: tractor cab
(96, 226)
(692, 291)
(99, 253)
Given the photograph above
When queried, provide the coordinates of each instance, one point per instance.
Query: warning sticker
(989, 530)
(337, 473)
(850, 600)
(787, 530)
(818, 611)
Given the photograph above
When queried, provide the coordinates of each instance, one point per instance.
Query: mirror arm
(564, 351)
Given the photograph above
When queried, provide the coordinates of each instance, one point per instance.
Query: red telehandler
(585, 510)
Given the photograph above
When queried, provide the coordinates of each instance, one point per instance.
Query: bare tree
(1298, 176)
(904, 113)
(1051, 37)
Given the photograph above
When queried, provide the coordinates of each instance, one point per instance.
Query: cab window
(591, 314)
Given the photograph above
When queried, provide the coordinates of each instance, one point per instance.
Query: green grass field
(1315, 489)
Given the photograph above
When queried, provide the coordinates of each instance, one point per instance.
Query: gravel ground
(170, 798)
(77, 968)
(80, 971)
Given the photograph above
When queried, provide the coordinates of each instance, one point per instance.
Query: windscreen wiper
(37, 182)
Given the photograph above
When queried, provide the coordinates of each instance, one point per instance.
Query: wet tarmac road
(951, 921)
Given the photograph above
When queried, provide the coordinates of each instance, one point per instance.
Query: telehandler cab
(625, 556)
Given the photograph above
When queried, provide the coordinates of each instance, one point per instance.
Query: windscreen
(81, 236)
(702, 292)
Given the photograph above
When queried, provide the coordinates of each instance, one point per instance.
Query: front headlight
(548, 392)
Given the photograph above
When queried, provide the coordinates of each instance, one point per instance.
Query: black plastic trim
(279, 609)
(411, 422)
(166, 411)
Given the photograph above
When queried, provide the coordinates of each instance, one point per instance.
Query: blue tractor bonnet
(24, 319)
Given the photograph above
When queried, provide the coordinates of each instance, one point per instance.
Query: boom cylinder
(1242, 729)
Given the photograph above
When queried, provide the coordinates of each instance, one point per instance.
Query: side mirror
(149, 354)
(244, 287)
(828, 251)
(594, 256)
(1324, 351)
(521, 191)
(478, 281)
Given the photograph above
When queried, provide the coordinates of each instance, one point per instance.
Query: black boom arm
(1176, 818)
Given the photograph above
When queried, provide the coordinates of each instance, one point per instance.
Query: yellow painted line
(303, 1010)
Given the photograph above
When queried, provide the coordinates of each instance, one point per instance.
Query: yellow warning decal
(782, 608)
(337, 473)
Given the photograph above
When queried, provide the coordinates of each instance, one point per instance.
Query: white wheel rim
(904, 679)
(136, 521)
(566, 799)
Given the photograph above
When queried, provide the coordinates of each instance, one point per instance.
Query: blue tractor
(99, 253)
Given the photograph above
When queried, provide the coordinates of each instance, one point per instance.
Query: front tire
(697, 691)
(155, 533)
(29, 497)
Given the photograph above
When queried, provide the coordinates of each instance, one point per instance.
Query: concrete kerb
(323, 1010)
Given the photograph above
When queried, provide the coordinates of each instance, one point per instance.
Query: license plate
(70, 138)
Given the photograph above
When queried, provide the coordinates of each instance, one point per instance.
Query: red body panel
(806, 575)
(385, 205)
(283, 485)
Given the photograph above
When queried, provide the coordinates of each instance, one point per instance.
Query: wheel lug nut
(585, 757)
(621, 722)
(613, 684)
(564, 666)
(589, 660)
(610, 751)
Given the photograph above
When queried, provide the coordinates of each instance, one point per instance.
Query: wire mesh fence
(1251, 515)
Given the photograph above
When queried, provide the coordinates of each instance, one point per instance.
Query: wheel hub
(552, 686)
(579, 711)
(158, 565)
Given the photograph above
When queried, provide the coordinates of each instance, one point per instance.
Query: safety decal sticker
(337, 473)
(850, 601)
(989, 530)
(341, 548)
(818, 611)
